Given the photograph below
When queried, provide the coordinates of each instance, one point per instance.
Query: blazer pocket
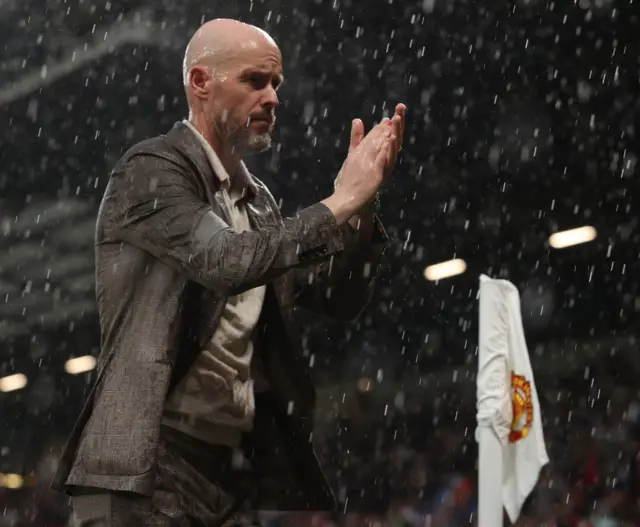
(121, 436)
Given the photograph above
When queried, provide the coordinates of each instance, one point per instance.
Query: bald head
(222, 39)
(232, 72)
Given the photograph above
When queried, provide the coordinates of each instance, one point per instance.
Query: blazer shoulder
(158, 151)
(177, 148)
(157, 146)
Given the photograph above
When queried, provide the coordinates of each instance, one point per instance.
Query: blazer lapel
(257, 218)
(183, 139)
(210, 304)
(262, 215)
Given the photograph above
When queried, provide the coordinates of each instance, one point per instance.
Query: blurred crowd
(416, 465)
(413, 464)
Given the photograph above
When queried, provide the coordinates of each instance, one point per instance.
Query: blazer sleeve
(153, 203)
(342, 287)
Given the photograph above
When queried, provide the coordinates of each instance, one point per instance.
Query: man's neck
(229, 158)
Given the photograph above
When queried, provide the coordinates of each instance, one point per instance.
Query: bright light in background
(560, 240)
(11, 481)
(445, 269)
(13, 382)
(80, 364)
(364, 385)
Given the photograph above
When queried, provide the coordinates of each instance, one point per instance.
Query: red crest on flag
(522, 408)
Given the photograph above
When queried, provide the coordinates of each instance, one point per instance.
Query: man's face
(243, 97)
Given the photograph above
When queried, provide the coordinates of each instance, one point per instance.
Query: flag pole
(489, 479)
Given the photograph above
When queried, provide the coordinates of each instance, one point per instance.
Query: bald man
(203, 403)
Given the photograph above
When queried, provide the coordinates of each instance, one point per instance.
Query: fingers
(396, 124)
(382, 143)
(384, 134)
(385, 138)
(395, 128)
(380, 130)
(401, 110)
(357, 133)
(385, 153)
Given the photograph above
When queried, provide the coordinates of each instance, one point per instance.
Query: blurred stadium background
(522, 123)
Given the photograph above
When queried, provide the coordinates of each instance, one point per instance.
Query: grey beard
(251, 144)
(259, 143)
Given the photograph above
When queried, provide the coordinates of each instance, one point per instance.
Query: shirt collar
(243, 183)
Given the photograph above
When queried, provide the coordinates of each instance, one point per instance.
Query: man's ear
(198, 82)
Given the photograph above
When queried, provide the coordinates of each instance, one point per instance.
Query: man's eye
(257, 80)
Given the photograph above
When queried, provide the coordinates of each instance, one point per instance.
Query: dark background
(522, 122)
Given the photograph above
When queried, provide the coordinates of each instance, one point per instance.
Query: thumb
(357, 133)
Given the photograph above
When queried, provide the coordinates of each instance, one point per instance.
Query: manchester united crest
(522, 408)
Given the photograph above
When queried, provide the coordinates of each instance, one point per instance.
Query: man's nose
(271, 98)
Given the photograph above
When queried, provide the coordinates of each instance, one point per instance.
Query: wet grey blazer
(166, 261)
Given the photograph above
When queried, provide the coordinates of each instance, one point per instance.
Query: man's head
(231, 73)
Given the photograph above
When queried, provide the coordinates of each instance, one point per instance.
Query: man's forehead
(265, 60)
(270, 67)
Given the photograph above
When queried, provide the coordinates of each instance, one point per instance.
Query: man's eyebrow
(279, 77)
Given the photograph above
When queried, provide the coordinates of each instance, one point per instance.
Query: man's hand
(371, 159)
(362, 172)
(397, 123)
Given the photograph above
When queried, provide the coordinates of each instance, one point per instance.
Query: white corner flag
(510, 441)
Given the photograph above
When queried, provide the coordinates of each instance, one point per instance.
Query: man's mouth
(263, 120)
